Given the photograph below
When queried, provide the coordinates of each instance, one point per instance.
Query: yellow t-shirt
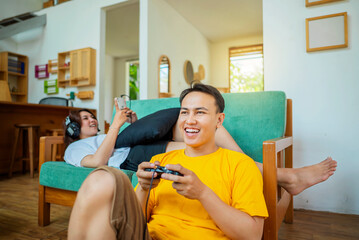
(233, 176)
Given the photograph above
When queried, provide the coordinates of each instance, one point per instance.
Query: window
(246, 69)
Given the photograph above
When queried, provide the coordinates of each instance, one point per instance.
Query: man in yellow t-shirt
(219, 194)
(232, 176)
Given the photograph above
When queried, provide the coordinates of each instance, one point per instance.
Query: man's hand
(144, 177)
(188, 185)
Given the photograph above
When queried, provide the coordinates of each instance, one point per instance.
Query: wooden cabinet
(47, 116)
(77, 68)
(14, 74)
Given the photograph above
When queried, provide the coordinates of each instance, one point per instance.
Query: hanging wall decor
(41, 71)
(327, 32)
(50, 87)
(309, 3)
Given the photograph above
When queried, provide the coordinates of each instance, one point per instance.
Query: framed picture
(309, 3)
(327, 32)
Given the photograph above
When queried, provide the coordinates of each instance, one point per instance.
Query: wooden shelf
(64, 68)
(16, 80)
(16, 74)
(79, 65)
(18, 93)
(52, 65)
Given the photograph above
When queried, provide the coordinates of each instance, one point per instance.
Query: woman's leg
(106, 207)
(294, 180)
(223, 139)
(91, 212)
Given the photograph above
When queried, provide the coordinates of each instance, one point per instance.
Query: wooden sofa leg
(288, 218)
(44, 208)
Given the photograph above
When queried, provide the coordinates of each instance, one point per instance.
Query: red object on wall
(41, 71)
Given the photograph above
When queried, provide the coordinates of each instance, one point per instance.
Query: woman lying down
(86, 148)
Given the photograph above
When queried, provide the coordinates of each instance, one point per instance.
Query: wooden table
(47, 116)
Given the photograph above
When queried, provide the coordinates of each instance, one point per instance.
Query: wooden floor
(18, 217)
(18, 211)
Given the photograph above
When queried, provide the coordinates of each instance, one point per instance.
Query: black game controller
(159, 170)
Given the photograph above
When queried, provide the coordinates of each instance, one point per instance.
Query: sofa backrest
(250, 118)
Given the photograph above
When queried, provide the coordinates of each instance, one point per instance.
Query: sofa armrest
(279, 202)
(279, 143)
(45, 152)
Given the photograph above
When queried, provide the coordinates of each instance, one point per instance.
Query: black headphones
(73, 129)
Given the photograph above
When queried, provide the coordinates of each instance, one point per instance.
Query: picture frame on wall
(327, 32)
(309, 3)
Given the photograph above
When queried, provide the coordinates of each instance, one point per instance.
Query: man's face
(89, 125)
(199, 119)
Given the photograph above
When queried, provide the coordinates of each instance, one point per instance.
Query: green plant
(134, 90)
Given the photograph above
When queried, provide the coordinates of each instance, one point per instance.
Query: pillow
(154, 127)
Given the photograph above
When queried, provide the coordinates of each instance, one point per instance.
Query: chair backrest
(55, 101)
(250, 118)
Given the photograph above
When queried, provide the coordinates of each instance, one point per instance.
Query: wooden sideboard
(47, 116)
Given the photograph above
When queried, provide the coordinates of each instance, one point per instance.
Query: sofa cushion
(250, 118)
(153, 127)
(65, 176)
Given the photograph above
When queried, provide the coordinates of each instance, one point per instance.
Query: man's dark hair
(200, 87)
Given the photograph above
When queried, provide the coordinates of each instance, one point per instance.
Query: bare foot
(296, 180)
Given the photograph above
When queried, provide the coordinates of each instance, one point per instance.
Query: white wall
(122, 30)
(324, 87)
(120, 76)
(220, 58)
(8, 45)
(71, 25)
(11, 8)
(170, 34)
(109, 88)
(122, 43)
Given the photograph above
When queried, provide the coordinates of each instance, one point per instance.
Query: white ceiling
(219, 20)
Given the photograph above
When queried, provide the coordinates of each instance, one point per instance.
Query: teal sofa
(253, 120)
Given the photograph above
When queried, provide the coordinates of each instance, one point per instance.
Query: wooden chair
(57, 151)
(49, 195)
(279, 202)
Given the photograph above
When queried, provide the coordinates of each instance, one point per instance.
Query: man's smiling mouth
(192, 130)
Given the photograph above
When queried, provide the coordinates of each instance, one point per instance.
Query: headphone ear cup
(73, 130)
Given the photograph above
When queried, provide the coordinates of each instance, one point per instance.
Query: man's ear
(220, 119)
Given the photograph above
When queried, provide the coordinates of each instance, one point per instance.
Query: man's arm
(233, 222)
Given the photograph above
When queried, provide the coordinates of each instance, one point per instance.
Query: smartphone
(121, 103)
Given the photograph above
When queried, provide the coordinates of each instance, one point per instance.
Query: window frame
(242, 50)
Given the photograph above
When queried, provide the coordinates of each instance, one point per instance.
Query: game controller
(159, 170)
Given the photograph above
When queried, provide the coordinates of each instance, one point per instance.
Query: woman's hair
(74, 117)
